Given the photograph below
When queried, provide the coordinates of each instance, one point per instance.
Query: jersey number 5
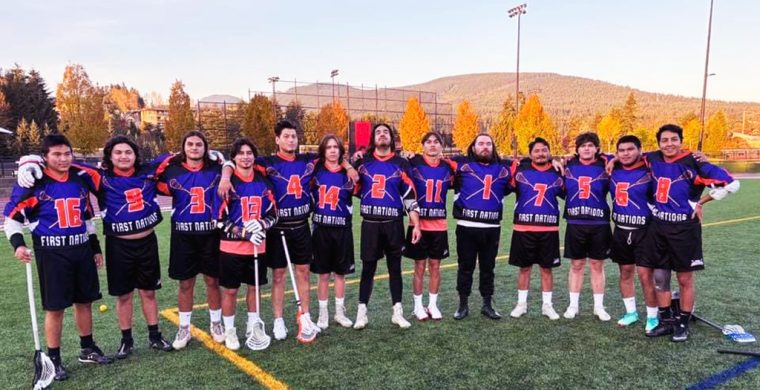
(584, 187)
(621, 194)
(134, 198)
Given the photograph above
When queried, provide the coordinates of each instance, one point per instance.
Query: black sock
(126, 334)
(55, 354)
(153, 332)
(685, 318)
(86, 341)
(666, 313)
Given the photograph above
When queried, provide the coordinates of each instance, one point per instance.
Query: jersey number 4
(69, 212)
(294, 186)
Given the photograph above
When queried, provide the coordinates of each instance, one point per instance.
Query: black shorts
(333, 250)
(132, 264)
(191, 254)
(539, 248)
(434, 244)
(628, 245)
(382, 238)
(298, 238)
(236, 269)
(677, 247)
(592, 241)
(67, 276)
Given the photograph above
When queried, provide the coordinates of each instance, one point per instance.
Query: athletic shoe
(663, 328)
(398, 316)
(340, 316)
(361, 317)
(463, 310)
(628, 319)
(488, 310)
(680, 333)
(125, 349)
(571, 312)
(419, 313)
(279, 329)
(160, 344)
(548, 310)
(520, 309)
(308, 323)
(434, 313)
(60, 372)
(182, 338)
(217, 331)
(93, 355)
(231, 340)
(651, 324)
(324, 318)
(600, 313)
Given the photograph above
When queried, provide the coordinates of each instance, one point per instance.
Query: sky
(229, 47)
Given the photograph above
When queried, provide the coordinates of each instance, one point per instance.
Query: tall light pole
(704, 81)
(517, 11)
(333, 73)
(274, 80)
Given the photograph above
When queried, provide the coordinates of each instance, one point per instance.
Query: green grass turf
(531, 352)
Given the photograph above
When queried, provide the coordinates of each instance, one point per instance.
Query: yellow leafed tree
(609, 129)
(465, 126)
(531, 122)
(504, 127)
(413, 125)
(716, 133)
(691, 125)
(81, 106)
(332, 119)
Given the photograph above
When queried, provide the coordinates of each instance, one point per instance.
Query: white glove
(721, 192)
(253, 226)
(216, 155)
(29, 170)
(258, 238)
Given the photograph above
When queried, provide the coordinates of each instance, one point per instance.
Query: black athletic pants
(476, 244)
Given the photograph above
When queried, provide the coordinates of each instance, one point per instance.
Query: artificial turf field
(530, 352)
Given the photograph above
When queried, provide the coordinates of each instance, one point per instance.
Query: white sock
(339, 301)
(417, 301)
(322, 304)
(574, 298)
(253, 316)
(279, 321)
(216, 315)
(630, 304)
(184, 318)
(599, 300)
(229, 321)
(651, 312)
(546, 297)
(433, 300)
(522, 296)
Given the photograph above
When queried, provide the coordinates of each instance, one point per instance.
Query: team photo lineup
(242, 218)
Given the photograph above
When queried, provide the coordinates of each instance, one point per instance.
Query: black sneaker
(125, 349)
(488, 309)
(664, 328)
(93, 355)
(463, 310)
(60, 372)
(680, 333)
(160, 344)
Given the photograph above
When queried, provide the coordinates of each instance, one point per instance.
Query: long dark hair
(107, 164)
(322, 150)
(588, 137)
(371, 148)
(182, 156)
(238, 144)
(471, 149)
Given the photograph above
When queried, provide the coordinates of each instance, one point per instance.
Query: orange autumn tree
(332, 119)
(531, 122)
(465, 126)
(413, 125)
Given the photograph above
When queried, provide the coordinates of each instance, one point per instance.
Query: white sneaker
(520, 309)
(306, 321)
(324, 318)
(182, 338)
(398, 316)
(231, 340)
(340, 316)
(571, 312)
(434, 313)
(217, 332)
(361, 317)
(548, 310)
(601, 314)
(279, 329)
(420, 313)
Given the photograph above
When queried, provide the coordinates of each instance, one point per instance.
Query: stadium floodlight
(517, 11)
(333, 74)
(274, 80)
(704, 81)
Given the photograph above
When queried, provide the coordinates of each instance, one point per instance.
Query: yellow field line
(731, 221)
(263, 377)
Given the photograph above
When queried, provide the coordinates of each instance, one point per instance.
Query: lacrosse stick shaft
(708, 322)
(290, 270)
(738, 352)
(32, 306)
(256, 275)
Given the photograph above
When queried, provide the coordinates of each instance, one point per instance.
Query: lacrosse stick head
(736, 333)
(44, 371)
(258, 340)
(307, 332)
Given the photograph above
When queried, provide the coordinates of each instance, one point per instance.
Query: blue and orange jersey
(479, 189)
(332, 191)
(538, 190)
(587, 185)
(290, 177)
(128, 203)
(432, 180)
(384, 185)
(631, 193)
(56, 209)
(192, 191)
(678, 184)
(252, 199)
